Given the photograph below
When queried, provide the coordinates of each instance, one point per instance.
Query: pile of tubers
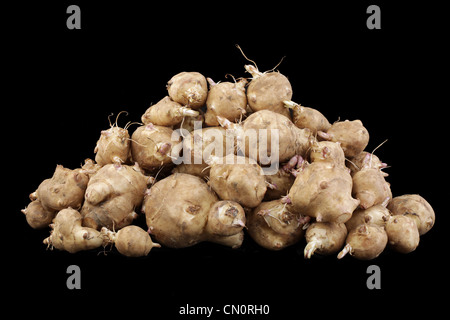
(196, 170)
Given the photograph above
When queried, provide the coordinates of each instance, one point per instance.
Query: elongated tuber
(167, 113)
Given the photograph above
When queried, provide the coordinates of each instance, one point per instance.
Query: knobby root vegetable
(352, 135)
(323, 190)
(370, 187)
(37, 216)
(328, 151)
(64, 189)
(365, 159)
(68, 234)
(112, 196)
(238, 179)
(201, 144)
(131, 241)
(189, 124)
(167, 113)
(151, 146)
(267, 136)
(274, 226)
(377, 215)
(278, 184)
(415, 207)
(268, 90)
(226, 218)
(225, 99)
(304, 117)
(324, 238)
(188, 89)
(179, 208)
(113, 146)
(402, 232)
(199, 170)
(366, 242)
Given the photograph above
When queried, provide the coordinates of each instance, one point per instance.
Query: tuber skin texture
(268, 90)
(189, 124)
(273, 226)
(324, 238)
(352, 135)
(226, 179)
(365, 159)
(225, 99)
(151, 146)
(37, 216)
(201, 144)
(366, 242)
(323, 191)
(304, 117)
(131, 241)
(376, 215)
(403, 235)
(415, 207)
(188, 89)
(179, 208)
(112, 196)
(65, 189)
(278, 184)
(226, 218)
(292, 140)
(167, 113)
(328, 151)
(370, 187)
(68, 234)
(113, 146)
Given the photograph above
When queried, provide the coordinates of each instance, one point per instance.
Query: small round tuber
(131, 241)
(366, 242)
(188, 89)
(402, 232)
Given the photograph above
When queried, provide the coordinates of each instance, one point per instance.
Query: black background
(64, 83)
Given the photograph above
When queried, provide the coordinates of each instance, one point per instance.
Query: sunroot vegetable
(68, 234)
(227, 180)
(365, 159)
(274, 226)
(226, 218)
(112, 196)
(256, 143)
(113, 146)
(415, 207)
(327, 151)
(324, 238)
(65, 189)
(225, 99)
(179, 208)
(278, 184)
(304, 117)
(365, 242)
(370, 187)
(201, 144)
(37, 216)
(131, 241)
(402, 232)
(151, 146)
(167, 113)
(189, 124)
(376, 215)
(188, 89)
(268, 90)
(352, 135)
(323, 190)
